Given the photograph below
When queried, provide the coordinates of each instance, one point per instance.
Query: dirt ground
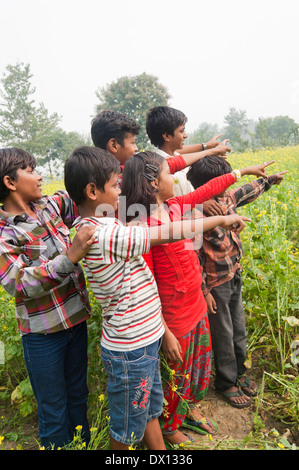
(233, 424)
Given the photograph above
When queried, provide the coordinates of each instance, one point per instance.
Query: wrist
(222, 220)
(238, 174)
(71, 257)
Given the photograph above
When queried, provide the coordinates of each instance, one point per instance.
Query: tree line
(245, 134)
(29, 125)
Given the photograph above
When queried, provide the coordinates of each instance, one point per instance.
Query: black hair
(11, 160)
(88, 165)
(163, 120)
(139, 171)
(112, 125)
(206, 169)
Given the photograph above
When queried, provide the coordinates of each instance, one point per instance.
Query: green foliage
(236, 128)
(244, 133)
(133, 96)
(28, 125)
(277, 131)
(271, 279)
(24, 124)
(203, 133)
(271, 303)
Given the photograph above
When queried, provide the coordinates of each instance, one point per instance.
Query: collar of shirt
(12, 218)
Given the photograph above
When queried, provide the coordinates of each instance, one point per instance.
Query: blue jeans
(134, 390)
(57, 368)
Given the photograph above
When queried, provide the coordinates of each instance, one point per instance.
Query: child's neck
(86, 211)
(89, 211)
(160, 213)
(166, 147)
(16, 206)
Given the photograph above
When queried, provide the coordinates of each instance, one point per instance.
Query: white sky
(211, 55)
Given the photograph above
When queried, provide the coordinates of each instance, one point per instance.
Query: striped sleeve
(118, 243)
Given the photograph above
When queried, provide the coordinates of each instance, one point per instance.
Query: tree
(28, 125)
(23, 123)
(236, 129)
(133, 96)
(61, 146)
(16, 109)
(203, 133)
(277, 131)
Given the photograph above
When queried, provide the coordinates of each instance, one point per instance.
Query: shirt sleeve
(202, 260)
(249, 192)
(66, 207)
(22, 279)
(118, 243)
(176, 163)
(203, 193)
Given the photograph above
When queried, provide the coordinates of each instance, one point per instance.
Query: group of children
(155, 290)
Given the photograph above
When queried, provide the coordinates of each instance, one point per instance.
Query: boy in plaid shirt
(39, 267)
(220, 256)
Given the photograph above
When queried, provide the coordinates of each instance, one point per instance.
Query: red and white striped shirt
(123, 284)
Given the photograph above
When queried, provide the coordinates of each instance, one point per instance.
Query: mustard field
(270, 295)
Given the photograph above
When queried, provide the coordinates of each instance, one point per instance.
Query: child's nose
(38, 176)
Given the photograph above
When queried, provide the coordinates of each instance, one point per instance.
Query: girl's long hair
(139, 171)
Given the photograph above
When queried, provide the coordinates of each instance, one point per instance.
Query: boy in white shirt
(125, 287)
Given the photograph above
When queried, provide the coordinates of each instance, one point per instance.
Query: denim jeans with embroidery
(134, 390)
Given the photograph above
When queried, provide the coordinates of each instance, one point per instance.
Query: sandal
(225, 396)
(196, 426)
(246, 384)
(170, 446)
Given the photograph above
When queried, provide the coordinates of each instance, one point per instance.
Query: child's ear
(165, 137)
(112, 146)
(155, 183)
(90, 191)
(9, 183)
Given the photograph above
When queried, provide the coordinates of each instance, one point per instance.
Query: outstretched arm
(194, 148)
(221, 149)
(186, 229)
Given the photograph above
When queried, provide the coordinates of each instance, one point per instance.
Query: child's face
(177, 140)
(29, 184)
(165, 183)
(128, 149)
(110, 195)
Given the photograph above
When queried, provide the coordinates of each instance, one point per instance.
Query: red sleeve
(203, 193)
(176, 163)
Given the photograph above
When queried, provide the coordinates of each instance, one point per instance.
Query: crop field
(271, 302)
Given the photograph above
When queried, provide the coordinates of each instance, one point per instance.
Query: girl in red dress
(186, 344)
